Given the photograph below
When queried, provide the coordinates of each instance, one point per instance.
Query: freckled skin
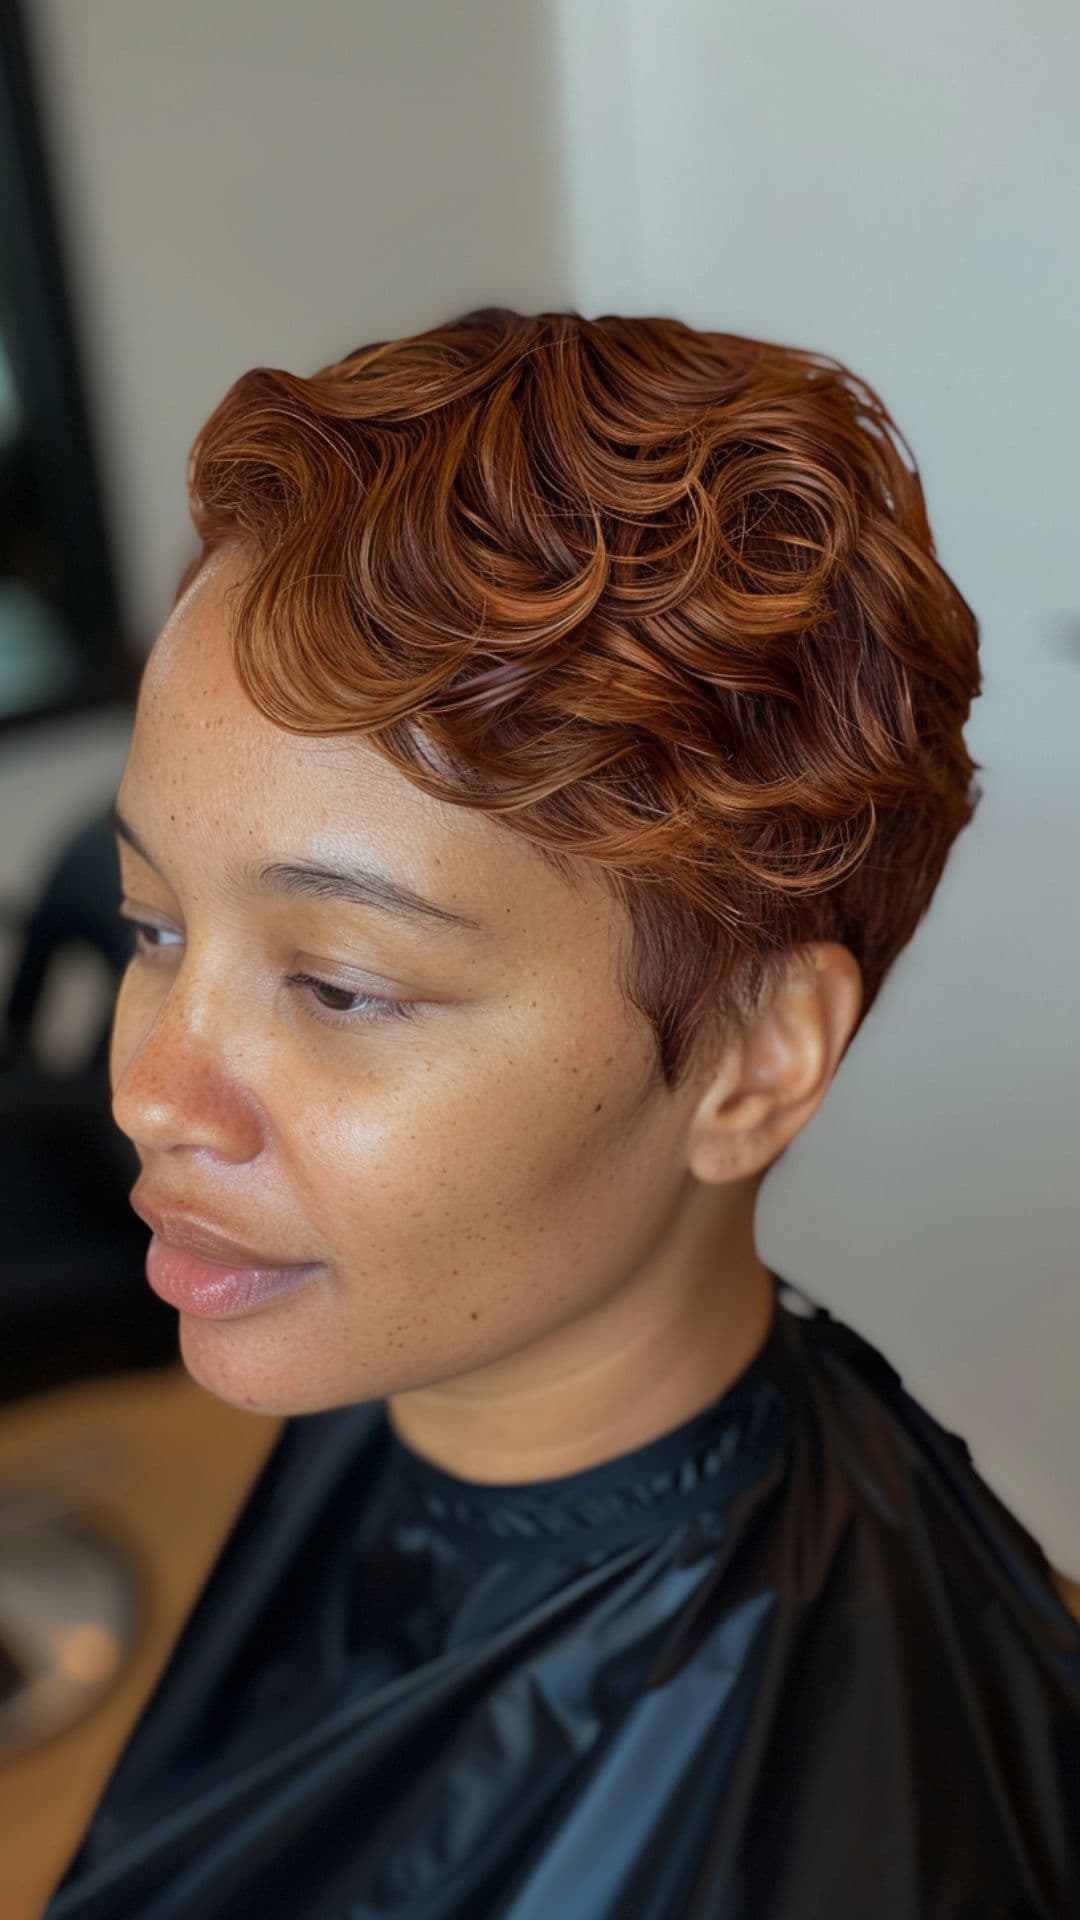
(535, 1251)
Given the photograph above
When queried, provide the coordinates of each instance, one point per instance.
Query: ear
(775, 1075)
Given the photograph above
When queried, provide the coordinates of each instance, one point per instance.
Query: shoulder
(821, 1332)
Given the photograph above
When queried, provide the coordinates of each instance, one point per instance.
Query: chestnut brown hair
(662, 600)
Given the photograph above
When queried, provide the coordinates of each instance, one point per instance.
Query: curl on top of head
(662, 600)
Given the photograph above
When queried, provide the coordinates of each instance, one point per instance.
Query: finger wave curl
(663, 600)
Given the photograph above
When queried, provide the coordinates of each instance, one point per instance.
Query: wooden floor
(185, 1461)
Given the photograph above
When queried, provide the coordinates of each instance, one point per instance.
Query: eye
(364, 1006)
(142, 929)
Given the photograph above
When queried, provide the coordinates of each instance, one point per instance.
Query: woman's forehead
(211, 778)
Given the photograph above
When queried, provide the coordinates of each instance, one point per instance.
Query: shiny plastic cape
(792, 1661)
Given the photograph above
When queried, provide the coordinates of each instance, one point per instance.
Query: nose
(179, 1082)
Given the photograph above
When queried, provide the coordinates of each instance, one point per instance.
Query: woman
(556, 742)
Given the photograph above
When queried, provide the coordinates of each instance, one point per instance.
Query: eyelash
(376, 1009)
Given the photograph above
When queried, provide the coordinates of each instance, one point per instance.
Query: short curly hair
(662, 600)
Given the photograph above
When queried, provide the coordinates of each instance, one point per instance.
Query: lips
(195, 1234)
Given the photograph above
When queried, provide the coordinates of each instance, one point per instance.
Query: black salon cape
(791, 1661)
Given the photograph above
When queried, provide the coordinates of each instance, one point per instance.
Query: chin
(249, 1363)
(213, 1351)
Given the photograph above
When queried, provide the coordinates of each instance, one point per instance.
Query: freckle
(598, 1106)
(474, 1316)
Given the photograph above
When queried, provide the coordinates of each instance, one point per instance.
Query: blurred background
(191, 190)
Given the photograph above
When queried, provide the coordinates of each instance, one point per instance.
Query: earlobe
(739, 1126)
(776, 1075)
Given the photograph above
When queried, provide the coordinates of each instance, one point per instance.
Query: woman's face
(472, 1172)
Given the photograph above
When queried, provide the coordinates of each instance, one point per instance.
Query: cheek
(466, 1214)
(466, 1199)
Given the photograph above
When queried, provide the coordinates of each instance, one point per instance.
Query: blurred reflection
(39, 658)
(61, 641)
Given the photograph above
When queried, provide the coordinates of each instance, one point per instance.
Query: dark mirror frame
(56, 485)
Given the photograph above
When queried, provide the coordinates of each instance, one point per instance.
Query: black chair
(74, 1302)
(74, 1299)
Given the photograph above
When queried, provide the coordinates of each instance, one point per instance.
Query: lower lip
(216, 1292)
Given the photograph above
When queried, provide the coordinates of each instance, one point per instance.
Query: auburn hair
(664, 601)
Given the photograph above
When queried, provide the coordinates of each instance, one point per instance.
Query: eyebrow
(358, 885)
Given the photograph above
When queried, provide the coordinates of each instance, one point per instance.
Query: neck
(655, 1351)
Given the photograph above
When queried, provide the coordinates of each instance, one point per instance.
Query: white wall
(262, 182)
(899, 187)
(250, 182)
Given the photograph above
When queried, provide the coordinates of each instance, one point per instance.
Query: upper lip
(196, 1234)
